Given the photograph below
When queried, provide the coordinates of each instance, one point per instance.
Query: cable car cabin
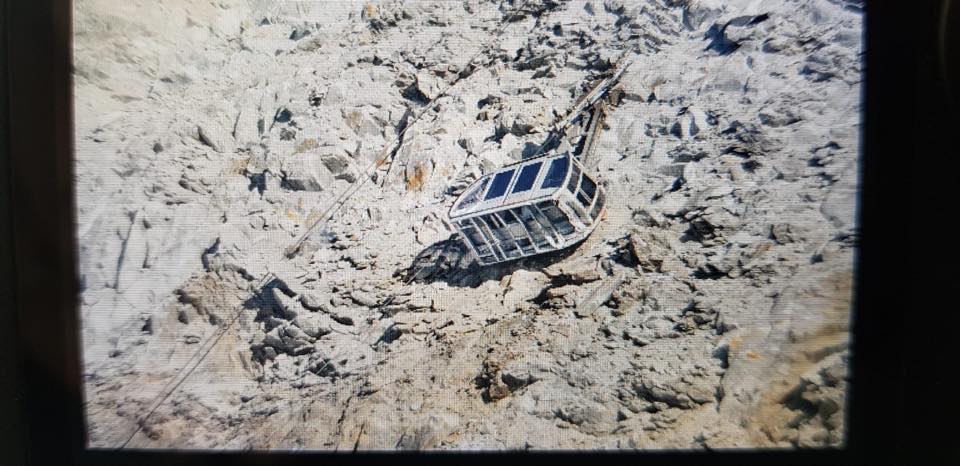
(527, 208)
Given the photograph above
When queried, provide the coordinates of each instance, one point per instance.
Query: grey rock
(577, 271)
(296, 333)
(273, 338)
(781, 233)
(364, 299)
(523, 285)
(314, 302)
(289, 307)
(313, 325)
(303, 172)
(651, 248)
(419, 302)
(213, 135)
(516, 378)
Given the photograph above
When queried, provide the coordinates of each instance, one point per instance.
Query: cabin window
(502, 235)
(508, 217)
(492, 221)
(474, 195)
(526, 177)
(526, 246)
(556, 173)
(597, 205)
(484, 228)
(476, 240)
(574, 179)
(583, 199)
(510, 250)
(534, 227)
(579, 211)
(589, 187)
(499, 186)
(557, 218)
(512, 225)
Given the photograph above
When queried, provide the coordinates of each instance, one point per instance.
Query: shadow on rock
(451, 261)
(265, 302)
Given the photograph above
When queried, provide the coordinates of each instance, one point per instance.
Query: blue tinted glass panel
(499, 186)
(526, 178)
(588, 186)
(556, 173)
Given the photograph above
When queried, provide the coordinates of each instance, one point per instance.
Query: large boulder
(522, 286)
(303, 172)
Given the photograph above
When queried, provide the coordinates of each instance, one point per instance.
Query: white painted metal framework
(527, 208)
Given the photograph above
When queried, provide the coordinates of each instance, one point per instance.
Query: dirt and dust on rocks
(710, 308)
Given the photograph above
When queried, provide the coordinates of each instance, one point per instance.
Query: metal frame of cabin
(527, 208)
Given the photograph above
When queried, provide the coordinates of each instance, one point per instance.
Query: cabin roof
(519, 182)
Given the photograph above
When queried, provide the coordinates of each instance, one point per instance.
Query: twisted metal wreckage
(541, 204)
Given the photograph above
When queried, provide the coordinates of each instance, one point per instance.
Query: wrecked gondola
(541, 204)
(528, 208)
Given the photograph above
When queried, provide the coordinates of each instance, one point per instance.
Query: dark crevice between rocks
(299, 33)
(282, 116)
(750, 166)
(708, 272)
(390, 335)
(490, 99)
(722, 353)
(816, 75)
(739, 151)
(498, 133)
(719, 394)
(147, 327)
(759, 19)
(258, 181)
(677, 184)
(264, 303)
(342, 320)
(624, 254)
(795, 401)
(413, 94)
(288, 185)
(719, 42)
(123, 250)
(699, 231)
(214, 249)
(529, 150)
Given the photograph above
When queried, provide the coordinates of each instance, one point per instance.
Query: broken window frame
(597, 206)
(488, 236)
(573, 181)
(559, 223)
(512, 230)
(543, 233)
(504, 237)
(578, 212)
(477, 193)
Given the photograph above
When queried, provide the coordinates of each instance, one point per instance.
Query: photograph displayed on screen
(356, 225)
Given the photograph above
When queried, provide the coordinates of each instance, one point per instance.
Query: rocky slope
(710, 309)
